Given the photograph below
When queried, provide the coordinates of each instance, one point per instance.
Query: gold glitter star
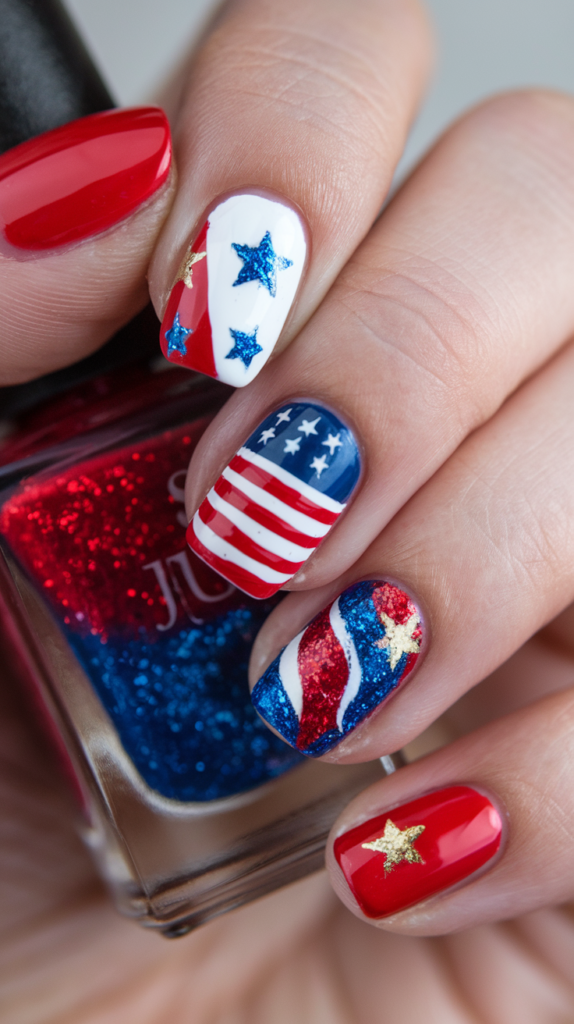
(397, 845)
(399, 638)
(184, 272)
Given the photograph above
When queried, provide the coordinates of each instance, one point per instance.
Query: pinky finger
(480, 831)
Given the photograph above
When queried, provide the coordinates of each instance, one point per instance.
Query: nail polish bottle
(132, 650)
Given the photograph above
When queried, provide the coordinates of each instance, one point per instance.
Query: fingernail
(82, 178)
(234, 288)
(338, 669)
(277, 498)
(419, 849)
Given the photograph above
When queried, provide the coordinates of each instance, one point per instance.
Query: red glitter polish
(81, 179)
(415, 851)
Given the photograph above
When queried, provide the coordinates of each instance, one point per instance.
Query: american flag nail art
(277, 499)
(234, 289)
(338, 669)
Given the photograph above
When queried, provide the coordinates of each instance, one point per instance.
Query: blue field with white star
(312, 444)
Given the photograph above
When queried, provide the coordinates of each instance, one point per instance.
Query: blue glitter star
(245, 348)
(177, 337)
(260, 264)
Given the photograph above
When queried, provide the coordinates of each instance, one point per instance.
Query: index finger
(292, 123)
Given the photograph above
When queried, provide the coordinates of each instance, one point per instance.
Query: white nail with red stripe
(280, 495)
(234, 289)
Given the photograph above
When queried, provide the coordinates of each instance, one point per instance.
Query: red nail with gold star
(419, 849)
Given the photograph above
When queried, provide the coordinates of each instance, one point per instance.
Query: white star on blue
(260, 264)
(312, 445)
(319, 464)
(245, 348)
(177, 337)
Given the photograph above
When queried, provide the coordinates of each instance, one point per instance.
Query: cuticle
(265, 193)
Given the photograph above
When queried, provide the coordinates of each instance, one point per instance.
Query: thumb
(80, 209)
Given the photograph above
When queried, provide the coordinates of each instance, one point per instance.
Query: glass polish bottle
(134, 650)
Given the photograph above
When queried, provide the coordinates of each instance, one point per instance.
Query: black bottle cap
(46, 74)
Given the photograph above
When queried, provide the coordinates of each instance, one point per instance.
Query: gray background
(484, 46)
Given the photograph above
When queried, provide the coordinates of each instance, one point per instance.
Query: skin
(442, 334)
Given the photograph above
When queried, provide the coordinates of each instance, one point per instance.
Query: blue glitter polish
(260, 263)
(187, 721)
(177, 337)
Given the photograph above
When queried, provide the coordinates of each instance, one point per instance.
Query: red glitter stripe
(324, 674)
(273, 486)
(225, 529)
(240, 578)
(393, 602)
(240, 501)
(397, 605)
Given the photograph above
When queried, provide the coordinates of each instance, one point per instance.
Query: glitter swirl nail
(350, 658)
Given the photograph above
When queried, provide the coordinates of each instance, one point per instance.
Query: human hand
(443, 345)
(341, 959)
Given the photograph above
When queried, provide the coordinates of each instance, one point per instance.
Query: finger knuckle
(526, 527)
(529, 137)
(331, 100)
(428, 326)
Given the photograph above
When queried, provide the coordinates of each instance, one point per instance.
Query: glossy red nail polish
(419, 849)
(80, 179)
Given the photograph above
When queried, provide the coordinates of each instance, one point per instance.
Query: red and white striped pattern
(259, 524)
(321, 674)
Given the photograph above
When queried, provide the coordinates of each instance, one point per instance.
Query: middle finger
(461, 290)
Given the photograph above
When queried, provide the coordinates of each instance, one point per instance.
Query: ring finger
(486, 546)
